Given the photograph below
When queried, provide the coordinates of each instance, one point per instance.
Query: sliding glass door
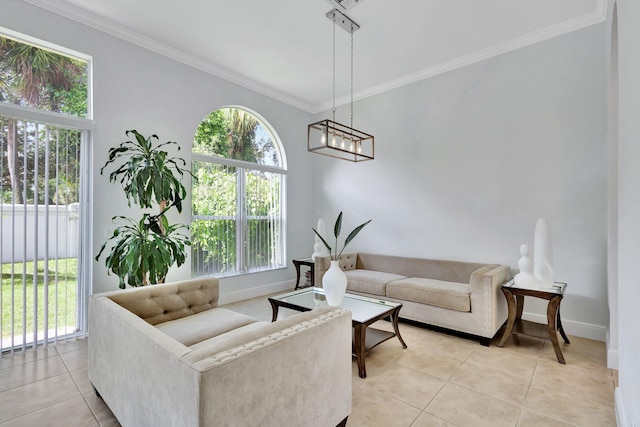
(43, 294)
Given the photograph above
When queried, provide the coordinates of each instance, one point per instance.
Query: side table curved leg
(297, 265)
(561, 329)
(511, 305)
(552, 313)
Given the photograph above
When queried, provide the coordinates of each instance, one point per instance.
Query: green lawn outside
(66, 290)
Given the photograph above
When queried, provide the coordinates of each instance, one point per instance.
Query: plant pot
(334, 283)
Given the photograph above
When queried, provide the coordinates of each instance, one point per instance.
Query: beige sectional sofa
(459, 296)
(166, 355)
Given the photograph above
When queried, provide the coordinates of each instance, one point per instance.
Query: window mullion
(241, 218)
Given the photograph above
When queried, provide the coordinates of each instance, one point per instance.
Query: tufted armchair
(167, 355)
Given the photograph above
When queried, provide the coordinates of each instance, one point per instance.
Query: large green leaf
(322, 239)
(147, 174)
(336, 232)
(337, 226)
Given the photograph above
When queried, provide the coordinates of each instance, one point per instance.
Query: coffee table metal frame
(364, 312)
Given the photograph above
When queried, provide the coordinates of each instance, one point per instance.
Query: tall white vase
(319, 249)
(542, 255)
(334, 283)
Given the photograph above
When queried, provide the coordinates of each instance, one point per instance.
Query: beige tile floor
(439, 380)
(49, 387)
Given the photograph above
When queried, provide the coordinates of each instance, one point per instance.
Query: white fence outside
(58, 234)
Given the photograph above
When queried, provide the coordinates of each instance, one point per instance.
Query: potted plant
(144, 250)
(334, 280)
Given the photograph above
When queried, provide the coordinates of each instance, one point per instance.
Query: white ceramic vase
(334, 283)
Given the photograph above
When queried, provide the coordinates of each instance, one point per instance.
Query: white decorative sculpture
(525, 278)
(319, 249)
(539, 274)
(542, 255)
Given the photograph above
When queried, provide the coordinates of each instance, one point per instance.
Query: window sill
(244, 273)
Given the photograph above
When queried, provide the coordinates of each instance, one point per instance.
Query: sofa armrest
(131, 359)
(486, 298)
(278, 378)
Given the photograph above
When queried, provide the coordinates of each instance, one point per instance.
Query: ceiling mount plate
(344, 4)
(343, 21)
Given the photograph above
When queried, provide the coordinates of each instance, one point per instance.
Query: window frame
(242, 219)
(79, 122)
(86, 126)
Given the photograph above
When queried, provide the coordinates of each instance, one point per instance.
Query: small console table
(515, 325)
(308, 262)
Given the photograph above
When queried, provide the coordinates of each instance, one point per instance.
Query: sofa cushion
(199, 327)
(212, 347)
(451, 295)
(370, 281)
(235, 337)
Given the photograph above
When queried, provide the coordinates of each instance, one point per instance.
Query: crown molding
(60, 8)
(597, 16)
(64, 9)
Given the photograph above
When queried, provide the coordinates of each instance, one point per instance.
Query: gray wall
(138, 89)
(628, 393)
(467, 161)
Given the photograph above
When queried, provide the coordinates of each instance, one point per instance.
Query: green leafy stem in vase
(335, 256)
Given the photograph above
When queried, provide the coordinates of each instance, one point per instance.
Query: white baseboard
(612, 359)
(572, 327)
(229, 297)
(621, 417)
(612, 353)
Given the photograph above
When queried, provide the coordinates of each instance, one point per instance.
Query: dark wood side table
(515, 325)
(308, 262)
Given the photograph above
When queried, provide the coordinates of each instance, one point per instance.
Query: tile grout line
(24, 365)
(526, 395)
(93, 413)
(44, 407)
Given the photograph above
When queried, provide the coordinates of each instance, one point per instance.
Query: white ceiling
(284, 49)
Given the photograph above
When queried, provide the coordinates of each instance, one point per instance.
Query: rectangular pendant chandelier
(329, 137)
(342, 142)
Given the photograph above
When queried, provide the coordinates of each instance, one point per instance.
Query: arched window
(238, 199)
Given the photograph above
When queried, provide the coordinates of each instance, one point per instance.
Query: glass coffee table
(364, 312)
